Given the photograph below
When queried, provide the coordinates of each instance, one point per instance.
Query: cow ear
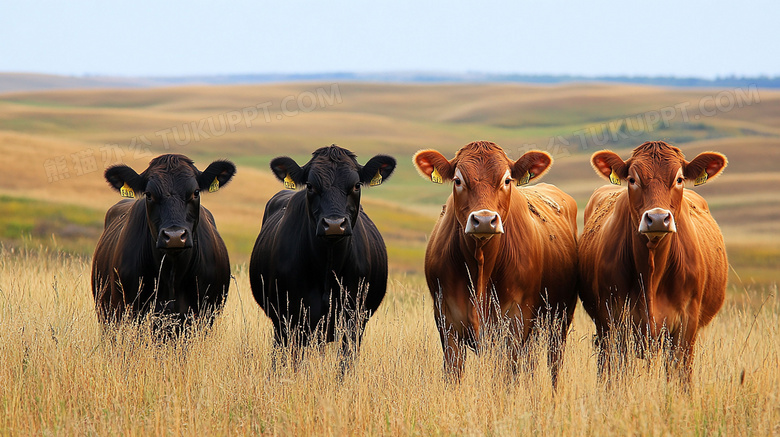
(532, 165)
(216, 175)
(434, 166)
(125, 180)
(288, 171)
(609, 165)
(705, 166)
(377, 170)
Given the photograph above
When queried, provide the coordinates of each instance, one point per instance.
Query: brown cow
(651, 255)
(496, 246)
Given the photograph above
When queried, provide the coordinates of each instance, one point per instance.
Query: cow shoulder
(695, 200)
(700, 221)
(608, 193)
(443, 241)
(211, 247)
(368, 231)
(554, 215)
(369, 259)
(117, 212)
(280, 245)
(443, 256)
(560, 208)
(277, 203)
(600, 246)
(708, 238)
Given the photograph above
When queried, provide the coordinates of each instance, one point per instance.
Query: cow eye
(310, 187)
(196, 194)
(507, 181)
(679, 180)
(456, 181)
(358, 185)
(631, 181)
(149, 196)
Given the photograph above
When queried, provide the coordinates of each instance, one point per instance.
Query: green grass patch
(68, 227)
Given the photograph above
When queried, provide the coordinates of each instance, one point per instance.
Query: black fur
(306, 283)
(128, 261)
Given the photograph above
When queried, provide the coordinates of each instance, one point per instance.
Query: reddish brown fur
(678, 282)
(534, 260)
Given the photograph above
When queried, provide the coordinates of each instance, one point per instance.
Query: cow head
(483, 178)
(172, 187)
(333, 180)
(656, 174)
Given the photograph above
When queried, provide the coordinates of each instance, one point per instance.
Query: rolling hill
(55, 145)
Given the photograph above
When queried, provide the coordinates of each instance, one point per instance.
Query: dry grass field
(60, 375)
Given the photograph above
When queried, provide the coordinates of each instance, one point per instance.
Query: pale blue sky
(148, 38)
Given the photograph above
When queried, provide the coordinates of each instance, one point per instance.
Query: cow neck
(170, 271)
(652, 261)
(332, 269)
(334, 255)
(484, 255)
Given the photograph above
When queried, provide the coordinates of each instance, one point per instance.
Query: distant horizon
(399, 72)
(31, 82)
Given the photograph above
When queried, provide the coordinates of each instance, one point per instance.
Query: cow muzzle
(656, 223)
(334, 227)
(174, 239)
(484, 224)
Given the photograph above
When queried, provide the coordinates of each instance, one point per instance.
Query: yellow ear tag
(288, 182)
(613, 177)
(525, 179)
(126, 191)
(214, 186)
(376, 180)
(702, 178)
(436, 177)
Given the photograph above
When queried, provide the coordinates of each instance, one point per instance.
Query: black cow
(319, 260)
(161, 253)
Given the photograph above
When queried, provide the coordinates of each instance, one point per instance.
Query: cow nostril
(649, 220)
(475, 220)
(337, 226)
(494, 221)
(173, 238)
(667, 219)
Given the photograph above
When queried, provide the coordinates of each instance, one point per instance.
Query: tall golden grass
(59, 375)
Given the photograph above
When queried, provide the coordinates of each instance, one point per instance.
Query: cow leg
(280, 343)
(679, 360)
(557, 345)
(515, 353)
(610, 352)
(599, 341)
(454, 350)
(350, 343)
(454, 356)
(452, 341)
(519, 346)
(684, 361)
(290, 341)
